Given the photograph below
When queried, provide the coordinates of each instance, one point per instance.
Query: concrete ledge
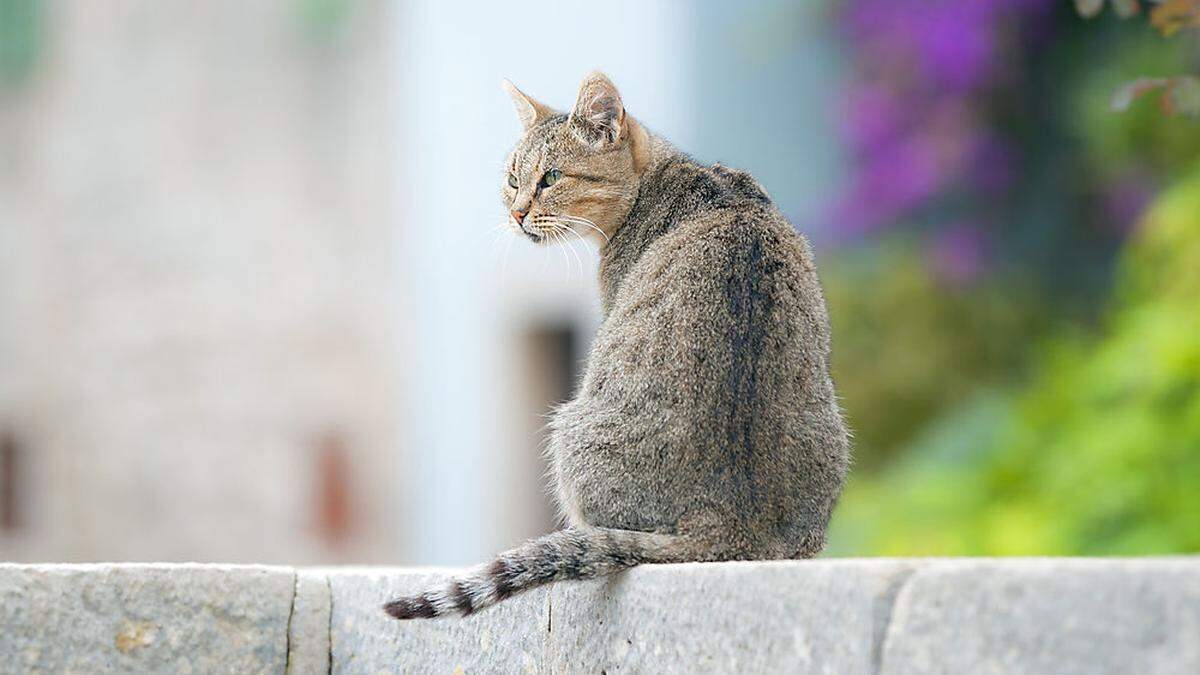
(144, 618)
(843, 616)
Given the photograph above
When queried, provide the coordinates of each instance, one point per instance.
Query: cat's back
(713, 232)
(723, 309)
(712, 369)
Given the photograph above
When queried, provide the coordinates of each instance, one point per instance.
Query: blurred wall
(196, 279)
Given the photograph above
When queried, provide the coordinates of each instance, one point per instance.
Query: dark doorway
(10, 482)
(552, 371)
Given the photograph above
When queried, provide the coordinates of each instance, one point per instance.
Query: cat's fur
(706, 426)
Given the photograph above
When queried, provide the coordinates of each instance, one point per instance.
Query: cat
(706, 426)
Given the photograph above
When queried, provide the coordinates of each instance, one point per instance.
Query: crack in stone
(883, 615)
(287, 641)
(548, 651)
(329, 627)
(303, 663)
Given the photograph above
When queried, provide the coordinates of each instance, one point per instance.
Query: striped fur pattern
(706, 426)
(567, 554)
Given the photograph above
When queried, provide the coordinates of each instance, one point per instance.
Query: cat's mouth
(533, 236)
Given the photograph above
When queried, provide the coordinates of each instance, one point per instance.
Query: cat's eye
(512, 181)
(551, 177)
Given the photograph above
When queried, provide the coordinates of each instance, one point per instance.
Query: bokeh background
(254, 305)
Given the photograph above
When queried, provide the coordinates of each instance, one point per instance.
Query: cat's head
(574, 172)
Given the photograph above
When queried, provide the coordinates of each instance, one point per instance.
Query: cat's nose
(519, 216)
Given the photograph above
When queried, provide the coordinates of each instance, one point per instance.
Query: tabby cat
(706, 426)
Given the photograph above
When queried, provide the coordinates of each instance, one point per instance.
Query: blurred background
(254, 305)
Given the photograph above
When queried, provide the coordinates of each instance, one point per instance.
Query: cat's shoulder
(688, 188)
(754, 235)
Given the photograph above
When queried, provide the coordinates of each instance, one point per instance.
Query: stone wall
(836, 616)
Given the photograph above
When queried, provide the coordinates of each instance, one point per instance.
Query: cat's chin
(526, 234)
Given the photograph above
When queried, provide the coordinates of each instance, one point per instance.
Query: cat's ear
(599, 115)
(528, 110)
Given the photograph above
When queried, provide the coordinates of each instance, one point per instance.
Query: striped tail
(565, 554)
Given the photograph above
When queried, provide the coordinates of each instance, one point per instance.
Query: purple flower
(957, 44)
(871, 117)
(914, 120)
(891, 181)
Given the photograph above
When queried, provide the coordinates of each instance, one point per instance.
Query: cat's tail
(565, 554)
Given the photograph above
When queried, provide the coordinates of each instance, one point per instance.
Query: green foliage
(1177, 95)
(1141, 138)
(1180, 95)
(1099, 454)
(907, 345)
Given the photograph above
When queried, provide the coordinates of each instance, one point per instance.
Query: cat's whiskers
(542, 234)
(573, 220)
(559, 225)
(584, 221)
(497, 231)
(560, 228)
(572, 245)
(577, 235)
(507, 249)
(557, 236)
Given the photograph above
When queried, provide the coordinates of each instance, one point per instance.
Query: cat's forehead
(548, 140)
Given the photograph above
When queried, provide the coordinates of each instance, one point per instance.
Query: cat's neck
(655, 211)
(673, 189)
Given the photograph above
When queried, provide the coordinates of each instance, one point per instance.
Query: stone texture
(811, 617)
(826, 616)
(144, 618)
(308, 627)
(1048, 616)
(508, 638)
